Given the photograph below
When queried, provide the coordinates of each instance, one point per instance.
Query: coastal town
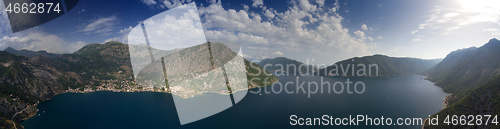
(115, 86)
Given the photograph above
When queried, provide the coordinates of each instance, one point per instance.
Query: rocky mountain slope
(465, 69)
(483, 100)
(472, 75)
(387, 66)
(25, 82)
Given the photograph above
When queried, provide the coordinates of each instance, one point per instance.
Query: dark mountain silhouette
(30, 54)
(288, 65)
(387, 66)
(465, 69)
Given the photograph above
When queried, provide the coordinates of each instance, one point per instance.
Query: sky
(325, 31)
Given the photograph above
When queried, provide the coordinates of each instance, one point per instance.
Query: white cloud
(370, 38)
(102, 26)
(364, 27)
(446, 20)
(306, 6)
(81, 11)
(166, 3)
(492, 29)
(361, 35)
(149, 2)
(451, 15)
(111, 39)
(123, 38)
(287, 32)
(36, 41)
(414, 32)
(380, 37)
(254, 58)
(172, 3)
(177, 28)
(245, 7)
(379, 5)
(320, 2)
(277, 53)
(257, 3)
(269, 14)
(416, 40)
(33, 39)
(126, 30)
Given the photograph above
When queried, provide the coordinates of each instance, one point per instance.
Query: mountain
(465, 69)
(287, 65)
(191, 72)
(483, 100)
(24, 82)
(387, 66)
(100, 62)
(472, 75)
(30, 54)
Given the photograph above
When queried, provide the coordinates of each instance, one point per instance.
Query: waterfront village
(124, 84)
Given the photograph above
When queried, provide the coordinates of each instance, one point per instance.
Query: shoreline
(87, 90)
(446, 99)
(423, 124)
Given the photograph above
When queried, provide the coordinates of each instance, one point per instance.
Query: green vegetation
(261, 77)
(483, 100)
(6, 90)
(387, 66)
(92, 66)
(196, 62)
(274, 64)
(465, 69)
(473, 76)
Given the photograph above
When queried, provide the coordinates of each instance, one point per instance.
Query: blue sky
(326, 31)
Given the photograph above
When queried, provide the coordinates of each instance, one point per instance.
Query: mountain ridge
(387, 66)
(30, 54)
(274, 64)
(465, 69)
(26, 82)
(472, 76)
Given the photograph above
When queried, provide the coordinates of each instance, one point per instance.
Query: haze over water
(392, 97)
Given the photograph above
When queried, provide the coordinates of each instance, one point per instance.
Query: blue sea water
(408, 96)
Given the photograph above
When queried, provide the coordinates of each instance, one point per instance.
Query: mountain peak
(492, 44)
(281, 58)
(29, 53)
(9, 49)
(493, 40)
(113, 42)
(381, 55)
